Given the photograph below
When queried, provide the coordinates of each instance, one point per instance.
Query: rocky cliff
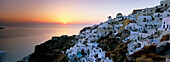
(52, 50)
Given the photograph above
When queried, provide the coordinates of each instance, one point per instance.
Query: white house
(157, 15)
(92, 52)
(134, 46)
(118, 27)
(143, 35)
(148, 11)
(165, 24)
(137, 11)
(166, 13)
(105, 26)
(144, 18)
(134, 26)
(132, 17)
(165, 3)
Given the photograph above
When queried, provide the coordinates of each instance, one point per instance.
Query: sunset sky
(67, 11)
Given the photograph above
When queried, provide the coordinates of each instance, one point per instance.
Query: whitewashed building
(148, 11)
(166, 13)
(158, 15)
(144, 19)
(165, 24)
(134, 27)
(165, 3)
(137, 11)
(132, 17)
(118, 27)
(89, 53)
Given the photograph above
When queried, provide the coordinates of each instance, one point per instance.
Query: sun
(64, 19)
(64, 22)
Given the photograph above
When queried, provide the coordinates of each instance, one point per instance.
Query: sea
(19, 41)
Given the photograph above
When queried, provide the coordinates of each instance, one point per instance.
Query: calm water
(20, 41)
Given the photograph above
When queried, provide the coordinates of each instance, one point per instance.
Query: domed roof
(110, 17)
(119, 14)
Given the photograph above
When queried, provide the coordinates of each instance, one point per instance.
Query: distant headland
(2, 27)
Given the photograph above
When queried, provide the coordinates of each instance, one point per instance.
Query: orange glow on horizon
(64, 11)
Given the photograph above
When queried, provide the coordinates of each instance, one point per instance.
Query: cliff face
(52, 50)
(115, 48)
(119, 53)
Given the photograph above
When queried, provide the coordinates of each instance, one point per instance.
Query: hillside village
(142, 23)
(142, 36)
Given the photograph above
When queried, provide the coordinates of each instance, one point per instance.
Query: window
(166, 5)
(144, 20)
(144, 14)
(145, 25)
(144, 10)
(163, 26)
(167, 26)
(104, 28)
(162, 4)
(158, 15)
(160, 18)
(151, 10)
